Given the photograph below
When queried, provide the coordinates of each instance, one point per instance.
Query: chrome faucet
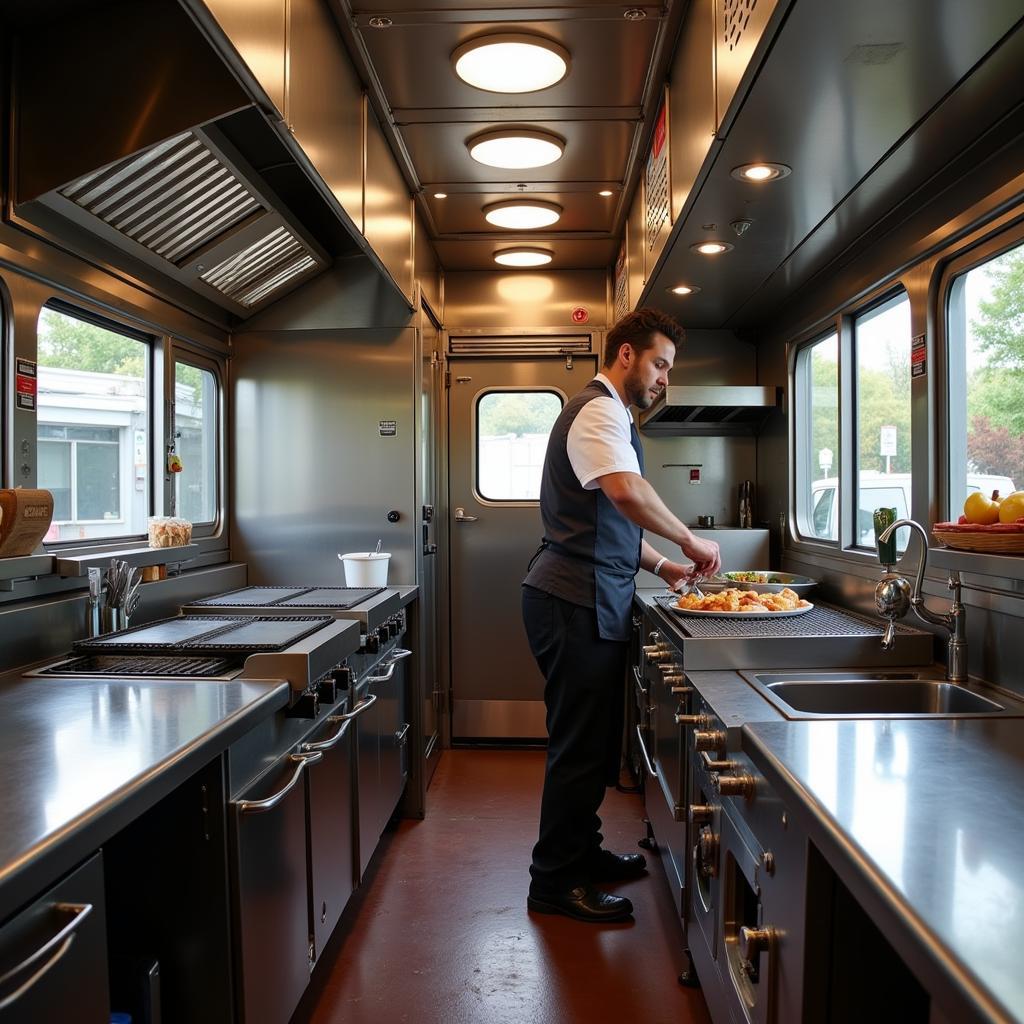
(893, 598)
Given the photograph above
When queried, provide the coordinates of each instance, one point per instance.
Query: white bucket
(366, 568)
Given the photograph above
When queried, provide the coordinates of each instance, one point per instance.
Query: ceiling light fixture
(684, 289)
(516, 148)
(511, 62)
(522, 214)
(440, 195)
(522, 256)
(606, 192)
(761, 171)
(710, 248)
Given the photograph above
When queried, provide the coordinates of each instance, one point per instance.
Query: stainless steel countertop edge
(39, 866)
(926, 954)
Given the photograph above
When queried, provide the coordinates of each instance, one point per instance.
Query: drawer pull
(59, 944)
(396, 656)
(643, 750)
(346, 721)
(259, 806)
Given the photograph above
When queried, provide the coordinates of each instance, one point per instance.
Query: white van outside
(880, 490)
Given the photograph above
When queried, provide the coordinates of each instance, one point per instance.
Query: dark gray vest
(590, 553)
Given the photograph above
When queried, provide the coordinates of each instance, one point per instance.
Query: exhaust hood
(710, 410)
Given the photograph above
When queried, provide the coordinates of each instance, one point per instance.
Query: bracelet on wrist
(657, 565)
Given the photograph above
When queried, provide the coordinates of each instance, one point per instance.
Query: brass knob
(653, 657)
(734, 785)
(706, 853)
(701, 814)
(754, 941)
(713, 740)
(690, 719)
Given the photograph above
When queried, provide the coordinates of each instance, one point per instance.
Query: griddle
(337, 598)
(207, 634)
(156, 666)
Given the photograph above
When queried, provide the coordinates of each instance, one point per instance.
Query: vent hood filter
(711, 410)
(190, 208)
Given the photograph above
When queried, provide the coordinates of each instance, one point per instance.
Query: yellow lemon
(981, 509)
(1011, 508)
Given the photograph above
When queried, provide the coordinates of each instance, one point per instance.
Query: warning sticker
(388, 428)
(27, 402)
(26, 384)
(918, 356)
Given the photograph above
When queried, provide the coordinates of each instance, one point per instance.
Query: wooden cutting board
(25, 516)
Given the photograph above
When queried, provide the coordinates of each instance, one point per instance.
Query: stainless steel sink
(864, 695)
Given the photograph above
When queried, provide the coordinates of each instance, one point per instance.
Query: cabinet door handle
(259, 806)
(362, 706)
(59, 944)
(346, 721)
(396, 656)
(400, 735)
(643, 750)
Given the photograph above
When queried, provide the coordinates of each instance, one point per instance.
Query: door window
(195, 438)
(512, 429)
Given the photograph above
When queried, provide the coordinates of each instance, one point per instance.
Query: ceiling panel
(461, 213)
(569, 254)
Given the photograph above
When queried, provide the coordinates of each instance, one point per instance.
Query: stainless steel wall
(317, 469)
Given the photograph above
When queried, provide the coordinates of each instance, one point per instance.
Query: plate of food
(761, 581)
(733, 603)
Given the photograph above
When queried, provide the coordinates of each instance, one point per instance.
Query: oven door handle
(58, 944)
(259, 806)
(396, 656)
(328, 744)
(643, 750)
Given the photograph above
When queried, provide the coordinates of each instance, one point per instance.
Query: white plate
(798, 584)
(700, 614)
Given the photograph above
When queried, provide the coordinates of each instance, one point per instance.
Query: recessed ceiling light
(710, 248)
(511, 62)
(522, 214)
(760, 172)
(516, 148)
(684, 289)
(522, 257)
(606, 192)
(440, 195)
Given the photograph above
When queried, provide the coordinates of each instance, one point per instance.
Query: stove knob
(701, 814)
(383, 635)
(306, 705)
(394, 628)
(700, 721)
(713, 740)
(342, 676)
(656, 654)
(327, 690)
(753, 942)
(372, 645)
(734, 785)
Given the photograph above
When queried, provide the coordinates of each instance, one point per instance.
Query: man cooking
(577, 598)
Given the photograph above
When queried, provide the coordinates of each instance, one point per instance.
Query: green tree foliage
(1000, 329)
(518, 412)
(73, 344)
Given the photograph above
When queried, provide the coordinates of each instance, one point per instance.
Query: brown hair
(638, 329)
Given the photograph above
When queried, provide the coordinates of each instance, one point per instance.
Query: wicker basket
(999, 543)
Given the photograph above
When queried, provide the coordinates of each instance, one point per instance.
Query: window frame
(957, 265)
(180, 351)
(478, 398)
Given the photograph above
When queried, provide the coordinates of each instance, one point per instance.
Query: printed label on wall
(918, 356)
(25, 384)
(388, 428)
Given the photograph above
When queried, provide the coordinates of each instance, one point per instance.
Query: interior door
(500, 410)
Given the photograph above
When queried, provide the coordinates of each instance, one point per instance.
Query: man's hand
(707, 559)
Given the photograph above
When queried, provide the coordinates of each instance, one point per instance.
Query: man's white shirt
(599, 440)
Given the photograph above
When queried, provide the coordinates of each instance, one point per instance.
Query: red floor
(441, 934)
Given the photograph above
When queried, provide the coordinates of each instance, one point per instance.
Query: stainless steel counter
(923, 821)
(80, 758)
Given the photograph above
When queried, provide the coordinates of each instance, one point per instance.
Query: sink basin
(850, 695)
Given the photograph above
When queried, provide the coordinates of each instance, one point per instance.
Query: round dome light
(761, 171)
(605, 193)
(516, 148)
(522, 257)
(522, 214)
(511, 63)
(440, 195)
(711, 248)
(684, 289)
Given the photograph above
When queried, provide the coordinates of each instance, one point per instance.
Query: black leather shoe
(618, 867)
(584, 903)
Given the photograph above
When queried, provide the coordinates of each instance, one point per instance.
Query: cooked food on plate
(736, 600)
(752, 577)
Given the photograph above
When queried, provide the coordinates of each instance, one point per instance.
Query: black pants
(584, 699)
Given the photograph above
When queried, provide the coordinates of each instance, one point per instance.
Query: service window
(93, 426)
(816, 391)
(881, 339)
(196, 445)
(985, 314)
(512, 429)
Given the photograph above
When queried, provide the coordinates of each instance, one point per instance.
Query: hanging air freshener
(174, 463)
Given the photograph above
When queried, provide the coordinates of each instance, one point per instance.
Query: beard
(636, 392)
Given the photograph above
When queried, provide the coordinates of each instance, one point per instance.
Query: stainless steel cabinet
(53, 954)
(271, 901)
(382, 747)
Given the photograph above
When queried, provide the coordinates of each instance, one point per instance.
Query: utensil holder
(112, 619)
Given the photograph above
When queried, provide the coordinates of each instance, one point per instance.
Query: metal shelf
(1008, 567)
(79, 565)
(23, 566)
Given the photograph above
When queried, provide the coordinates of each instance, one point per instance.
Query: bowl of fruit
(991, 524)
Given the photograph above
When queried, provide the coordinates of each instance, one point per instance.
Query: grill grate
(820, 621)
(121, 666)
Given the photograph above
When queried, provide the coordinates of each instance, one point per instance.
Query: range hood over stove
(710, 410)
